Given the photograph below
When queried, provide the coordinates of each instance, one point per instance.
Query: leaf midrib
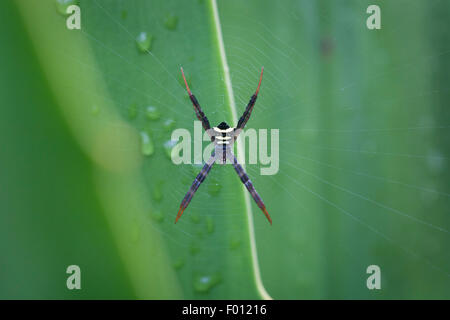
(240, 150)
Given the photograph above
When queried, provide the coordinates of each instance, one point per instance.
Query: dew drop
(158, 216)
(199, 233)
(157, 193)
(147, 148)
(171, 21)
(209, 225)
(195, 218)
(62, 5)
(204, 283)
(194, 249)
(179, 263)
(169, 124)
(144, 41)
(132, 111)
(235, 243)
(214, 187)
(152, 113)
(168, 146)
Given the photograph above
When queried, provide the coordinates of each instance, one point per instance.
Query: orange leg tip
(267, 215)
(260, 79)
(180, 212)
(185, 82)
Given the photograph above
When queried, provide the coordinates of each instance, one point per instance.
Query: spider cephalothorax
(223, 137)
(223, 126)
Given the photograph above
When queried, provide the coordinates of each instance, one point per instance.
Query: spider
(223, 137)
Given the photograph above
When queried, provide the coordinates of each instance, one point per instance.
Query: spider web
(363, 154)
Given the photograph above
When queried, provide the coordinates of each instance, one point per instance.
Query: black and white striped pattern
(249, 185)
(247, 113)
(195, 185)
(223, 137)
(199, 113)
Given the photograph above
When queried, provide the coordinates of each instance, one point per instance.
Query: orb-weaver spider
(223, 138)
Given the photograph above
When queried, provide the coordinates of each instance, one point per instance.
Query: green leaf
(363, 174)
(101, 66)
(361, 117)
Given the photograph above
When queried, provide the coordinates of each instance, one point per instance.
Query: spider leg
(198, 111)
(249, 185)
(248, 111)
(195, 185)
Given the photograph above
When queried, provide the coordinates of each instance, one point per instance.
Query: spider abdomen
(221, 151)
(223, 140)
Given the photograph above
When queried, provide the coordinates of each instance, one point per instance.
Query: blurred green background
(364, 148)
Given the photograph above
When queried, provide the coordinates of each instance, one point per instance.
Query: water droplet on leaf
(195, 218)
(235, 243)
(152, 113)
(147, 147)
(200, 234)
(179, 263)
(144, 41)
(209, 225)
(168, 146)
(204, 283)
(157, 194)
(62, 5)
(171, 22)
(194, 249)
(158, 216)
(169, 124)
(132, 111)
